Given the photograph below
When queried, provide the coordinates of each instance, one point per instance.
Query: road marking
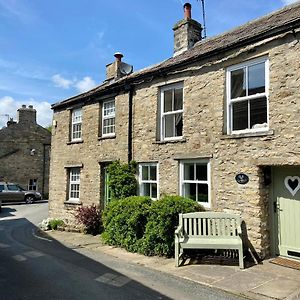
(33, 254)
(19, 257)
(113, 279)
(4, 245)
(39, 237)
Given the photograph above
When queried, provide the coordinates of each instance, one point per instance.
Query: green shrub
(124, 222)
(122, 181)
(90, 218)
(163, 219)
(53, 223)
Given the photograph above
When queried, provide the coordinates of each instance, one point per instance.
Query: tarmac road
(34, 266)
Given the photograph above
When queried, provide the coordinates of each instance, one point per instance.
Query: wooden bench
(208, 230)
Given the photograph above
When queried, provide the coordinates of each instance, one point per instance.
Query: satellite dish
(126, 69)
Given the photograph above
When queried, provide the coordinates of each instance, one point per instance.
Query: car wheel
(29, 199)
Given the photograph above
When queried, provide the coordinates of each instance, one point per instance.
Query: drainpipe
(130, 101)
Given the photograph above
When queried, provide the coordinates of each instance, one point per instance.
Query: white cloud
(85, 84)
(9, 106)
(82, 85)
(286, 2)
(59, 81)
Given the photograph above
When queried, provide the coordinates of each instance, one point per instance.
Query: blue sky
(52, 50)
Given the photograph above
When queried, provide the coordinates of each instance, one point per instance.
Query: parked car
(0, 205)
(12, 192)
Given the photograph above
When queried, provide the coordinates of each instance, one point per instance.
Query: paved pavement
(260, 282)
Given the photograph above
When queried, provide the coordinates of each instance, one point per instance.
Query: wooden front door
(286, 189)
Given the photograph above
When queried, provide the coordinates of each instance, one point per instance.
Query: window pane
(190, 191)
(256, 79)
(169, 126)
(202, 193)
(152, 172)
(76, 115)
(178, 95)
(109, 108)
(178, 124)
(146, 189)
(201, 172)
(145, 173)
(12, 187)
(153, 190)
(240, 115)
(238, 83)
(258, 113)
(189, 171)
(168, 95)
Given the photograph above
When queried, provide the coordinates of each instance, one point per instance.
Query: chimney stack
(27, 115)
(187, 32)
(117, 69)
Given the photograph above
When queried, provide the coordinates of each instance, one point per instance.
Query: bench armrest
(179, 231)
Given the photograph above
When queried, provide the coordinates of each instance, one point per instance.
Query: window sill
(181, 140)
(248, 134)
(75, 142)
(109, 137)
(73, 202)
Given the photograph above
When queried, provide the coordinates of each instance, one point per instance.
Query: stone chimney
(187, 32)
(117, 69)
(113, 69)
(27, 115)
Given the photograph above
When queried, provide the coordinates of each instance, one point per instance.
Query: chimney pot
(30, 106)
(23, 106)
(187, 7)
(118, 56)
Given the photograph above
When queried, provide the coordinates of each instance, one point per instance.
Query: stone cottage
(25, 152)
(218, 122)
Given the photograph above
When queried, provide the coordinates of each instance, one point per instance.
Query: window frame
(182, 181)
(173, 112)
(142, 181)
(113, 116)
(73, 182)
(76, 123)
(34, 184)
(231, 101)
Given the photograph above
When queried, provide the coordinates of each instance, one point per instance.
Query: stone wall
(18, 163)
(204, 135)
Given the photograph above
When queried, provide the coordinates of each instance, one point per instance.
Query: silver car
(12, 192)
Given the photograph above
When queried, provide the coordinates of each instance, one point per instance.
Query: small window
(108, 118)
(171, 122)
(247, 97)
(76, 124)
(32, 185)
(148, 180)
(74, 184)
(195, 181)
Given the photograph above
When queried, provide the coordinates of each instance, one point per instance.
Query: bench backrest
(210, 224)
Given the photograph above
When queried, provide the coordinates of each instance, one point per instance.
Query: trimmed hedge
(124, 222)
(139, 224)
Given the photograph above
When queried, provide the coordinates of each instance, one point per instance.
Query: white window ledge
(247, 134)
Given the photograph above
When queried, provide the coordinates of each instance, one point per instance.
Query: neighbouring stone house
(218, 122)
(25, 152)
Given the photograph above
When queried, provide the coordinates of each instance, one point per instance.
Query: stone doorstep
(253, 283)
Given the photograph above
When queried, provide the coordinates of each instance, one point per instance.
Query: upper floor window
(108, 118)
(171, 123)
(148, 180)
(76, 124)
(195, 181)
(32, 185)
(247, 96)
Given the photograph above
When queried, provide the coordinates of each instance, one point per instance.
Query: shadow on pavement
(39, 267)
(6, 212)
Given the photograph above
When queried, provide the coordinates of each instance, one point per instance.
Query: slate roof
(283, 20)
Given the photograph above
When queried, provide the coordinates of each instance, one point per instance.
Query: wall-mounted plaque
(241, 178)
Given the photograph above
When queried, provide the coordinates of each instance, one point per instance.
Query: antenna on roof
(203, 18)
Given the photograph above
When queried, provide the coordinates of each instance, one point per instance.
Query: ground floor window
(195, 181)
(148, 180)
(74, 184)
(32, 185)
